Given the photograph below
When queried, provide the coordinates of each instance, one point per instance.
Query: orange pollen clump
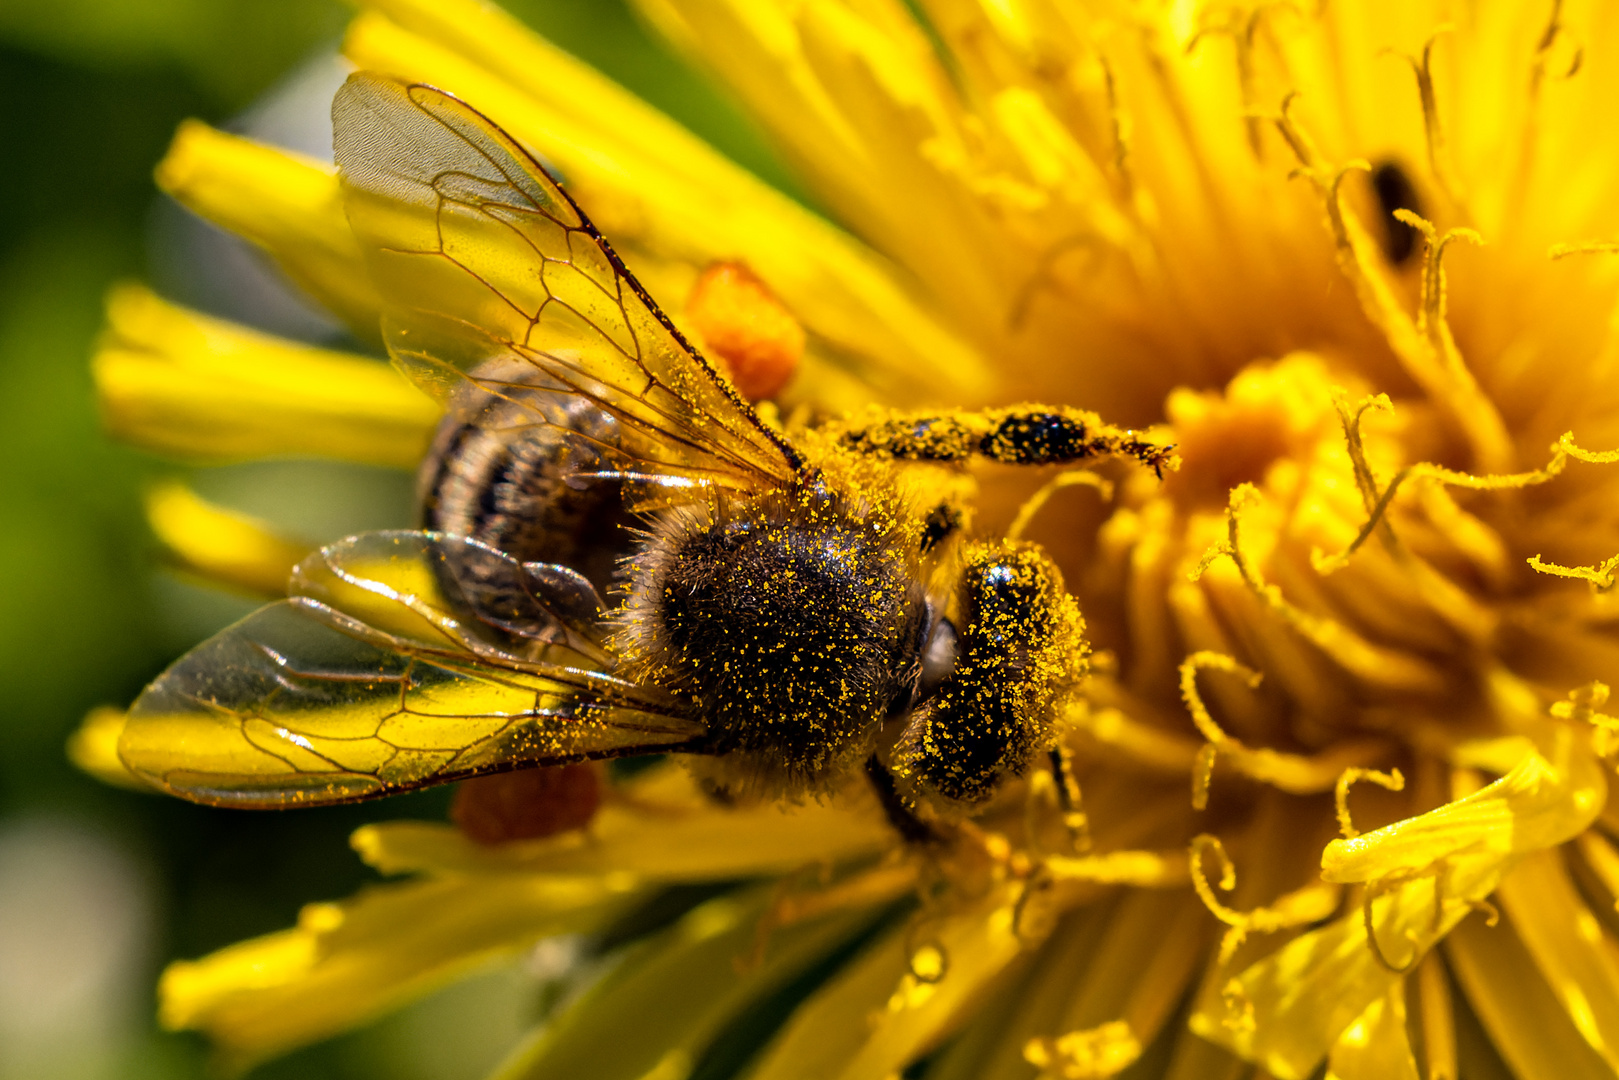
(528, 804)
(745, 326)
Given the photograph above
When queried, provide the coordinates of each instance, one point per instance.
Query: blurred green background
(99, 887)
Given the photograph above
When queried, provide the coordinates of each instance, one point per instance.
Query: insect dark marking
(1037, 438)
(502, 472)
(942, 521)
(1395, 191)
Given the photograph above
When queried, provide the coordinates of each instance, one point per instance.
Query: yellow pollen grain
(928, 963)
(1584, 705)
(1240, 1016)
(1088, 1054)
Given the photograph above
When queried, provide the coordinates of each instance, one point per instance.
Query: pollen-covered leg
(904, 820)
(1018, 435)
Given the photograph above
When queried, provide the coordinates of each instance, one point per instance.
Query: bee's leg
(943, 521)
(1069, 799)
(1019, 435)
(906, 823)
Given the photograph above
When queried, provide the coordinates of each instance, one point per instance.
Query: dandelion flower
(1342, 755)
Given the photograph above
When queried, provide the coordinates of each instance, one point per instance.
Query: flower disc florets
(1333, 789)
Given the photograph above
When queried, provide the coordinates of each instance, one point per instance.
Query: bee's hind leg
(1019, 435)
(905, 822)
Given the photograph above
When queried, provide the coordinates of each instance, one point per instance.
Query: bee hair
(791, 619)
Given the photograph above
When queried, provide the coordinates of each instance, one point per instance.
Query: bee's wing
(372, 682)
(484, 261)
(455, 593)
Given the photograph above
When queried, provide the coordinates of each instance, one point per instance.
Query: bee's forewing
(483, 261)
(376, 687)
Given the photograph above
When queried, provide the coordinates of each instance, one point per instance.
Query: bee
(793, 609)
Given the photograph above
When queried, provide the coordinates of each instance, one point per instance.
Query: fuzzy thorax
(792, 619)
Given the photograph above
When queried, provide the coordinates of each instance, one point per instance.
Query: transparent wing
(483, 260)
(456, 593)
(375, 680)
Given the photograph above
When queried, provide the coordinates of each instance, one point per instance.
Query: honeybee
(792, 610)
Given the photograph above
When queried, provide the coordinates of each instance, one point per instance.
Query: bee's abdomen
(793, 638)
(500, 474)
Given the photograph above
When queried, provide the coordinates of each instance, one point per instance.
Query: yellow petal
(1039, 270)
(1542, 802)
(992, 1045)
(1198, 1059)
(222, 545)
(1286, 1011)
(653, 186)
(185, 384)
(93, 747)
(662, 1005)
(901, 997)
(1103, 986)
(1526, 1023)
(854, 92)
(287, 204)
(346, 963)
(891, 91)
(1568, 945)
(1142, 969)
(756, 49)
(492, 40)
(1376, 1046)
(654, 844)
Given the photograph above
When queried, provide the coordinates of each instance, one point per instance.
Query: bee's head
(1019, 651)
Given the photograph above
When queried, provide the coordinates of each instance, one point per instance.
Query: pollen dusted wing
(371, 683)
(482, 260)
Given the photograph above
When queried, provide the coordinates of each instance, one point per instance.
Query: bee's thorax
(794, 625)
